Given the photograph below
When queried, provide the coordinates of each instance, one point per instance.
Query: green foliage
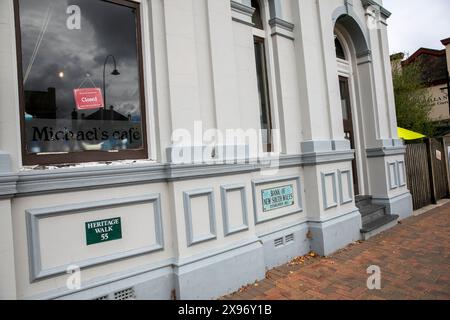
(411, 96)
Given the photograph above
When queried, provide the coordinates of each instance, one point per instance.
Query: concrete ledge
(366, 236)
(8, 184)
(219, 275)
(313, 159)
(242, 8)
(33, 182)
(335, 234)
(7, 179)
(400, 205)
(385, 151)
(242, 13)
(282, 246)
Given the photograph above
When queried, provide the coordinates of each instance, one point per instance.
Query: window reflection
(58, 59)
(257, 17)
(340, 53)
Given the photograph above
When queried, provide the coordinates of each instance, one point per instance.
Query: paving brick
(414, 258)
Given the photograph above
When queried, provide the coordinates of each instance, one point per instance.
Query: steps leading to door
(374, 217)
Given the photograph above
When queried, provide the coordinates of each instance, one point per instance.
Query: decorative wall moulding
(242, 13)
(35, 216)
(384, 12)
(330, 200)
(277, 22)
(345, 176)
(393, 175)
(401, 171)
(225, 192)
(191, 236)
(34, 182)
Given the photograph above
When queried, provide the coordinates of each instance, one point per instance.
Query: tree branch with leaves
(411, 99)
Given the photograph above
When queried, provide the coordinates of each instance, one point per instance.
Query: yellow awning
(409, 135)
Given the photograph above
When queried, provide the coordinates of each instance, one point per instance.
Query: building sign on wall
(277, 198)
(438, 102)
(103, 231)
(438, 97)
(438, 155)
(56, 135)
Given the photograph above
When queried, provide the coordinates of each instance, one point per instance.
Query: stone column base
(335, 234)
(220, 274)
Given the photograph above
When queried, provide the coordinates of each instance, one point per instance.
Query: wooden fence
(427, 172)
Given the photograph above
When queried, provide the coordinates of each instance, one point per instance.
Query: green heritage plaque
(277, 198)
(103, 231)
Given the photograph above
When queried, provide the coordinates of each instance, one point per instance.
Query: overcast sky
(417, 23)
(106, 29)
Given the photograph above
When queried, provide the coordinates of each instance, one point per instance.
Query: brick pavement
(414, 258)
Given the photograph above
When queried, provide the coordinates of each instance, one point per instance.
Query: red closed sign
(88, 98)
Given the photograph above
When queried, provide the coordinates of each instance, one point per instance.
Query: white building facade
(162, 206)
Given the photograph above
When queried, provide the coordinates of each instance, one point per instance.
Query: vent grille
(279, 242)
(289, 238)
(127, 294)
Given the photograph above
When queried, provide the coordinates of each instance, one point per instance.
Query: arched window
(257, 17)
(340, 53)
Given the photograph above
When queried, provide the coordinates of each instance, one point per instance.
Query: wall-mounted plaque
(103, 231)
(276, 198)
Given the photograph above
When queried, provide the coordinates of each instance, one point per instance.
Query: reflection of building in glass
(103, 114)
(41, 104)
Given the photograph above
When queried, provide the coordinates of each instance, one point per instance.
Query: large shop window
(81, 82)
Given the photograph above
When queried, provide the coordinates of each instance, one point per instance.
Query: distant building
(108, 114)
(435, 78)
(41, 104)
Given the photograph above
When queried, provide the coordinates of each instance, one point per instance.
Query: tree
(411, 99)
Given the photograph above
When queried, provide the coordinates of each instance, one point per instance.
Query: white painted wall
(199, 66)
(9, 92)
(7, 267)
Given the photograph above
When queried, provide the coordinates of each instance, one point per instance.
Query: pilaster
(7, 265)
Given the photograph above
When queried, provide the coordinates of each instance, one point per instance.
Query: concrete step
(378, 225)
(362, 201)
(372, 212)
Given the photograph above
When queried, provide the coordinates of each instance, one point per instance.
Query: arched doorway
(344, 60)
(355, 82)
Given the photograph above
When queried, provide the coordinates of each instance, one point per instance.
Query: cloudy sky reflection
(105, 29)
